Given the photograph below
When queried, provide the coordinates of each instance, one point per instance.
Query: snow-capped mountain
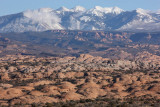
(143, 20)
(79, 18)
(100, 11)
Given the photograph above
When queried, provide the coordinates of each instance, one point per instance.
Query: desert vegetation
(78, 81)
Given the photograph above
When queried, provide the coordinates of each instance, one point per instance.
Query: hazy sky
(15, 6)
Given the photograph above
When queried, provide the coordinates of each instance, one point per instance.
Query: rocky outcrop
(27, 79)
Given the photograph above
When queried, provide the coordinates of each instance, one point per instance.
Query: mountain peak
(117, 10)
(97, 18)
(78, 8)
(98, 8)
(45, 9)
(63, 9)
(141, 11)
(99, 11)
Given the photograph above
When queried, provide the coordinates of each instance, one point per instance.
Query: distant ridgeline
(79, 18)
(110, 44)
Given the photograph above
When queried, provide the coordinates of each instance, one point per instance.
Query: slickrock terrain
(79, 81)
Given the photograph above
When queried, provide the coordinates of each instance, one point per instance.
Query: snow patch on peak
(141, 11)
(99, 11)
(63, 9)
(85, 18)
(78, 9)
(117, 10)
(99, 8)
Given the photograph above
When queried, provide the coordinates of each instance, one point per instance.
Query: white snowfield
(79, 18)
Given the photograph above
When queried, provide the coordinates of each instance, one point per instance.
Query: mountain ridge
(79, 18)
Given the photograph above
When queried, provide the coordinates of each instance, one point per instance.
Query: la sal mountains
(79, 18)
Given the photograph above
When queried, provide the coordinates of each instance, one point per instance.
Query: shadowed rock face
(28, 80)
(60, 43)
